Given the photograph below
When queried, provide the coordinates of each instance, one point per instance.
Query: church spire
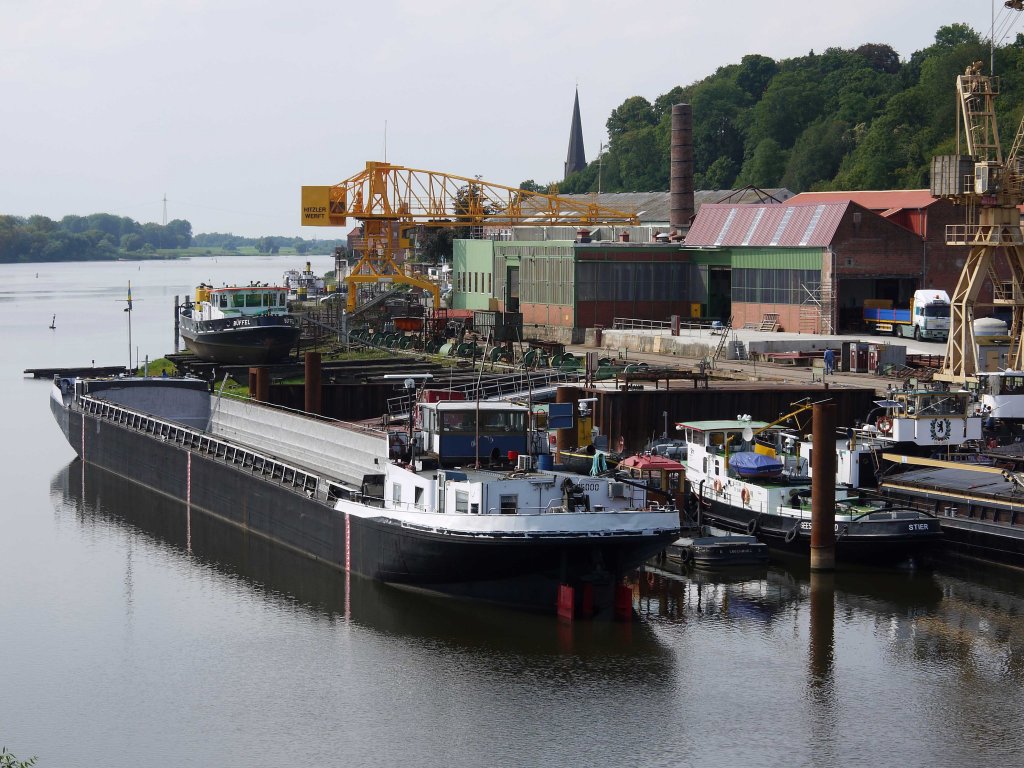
(576, 159)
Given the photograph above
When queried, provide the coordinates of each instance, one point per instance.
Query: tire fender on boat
(791, 534)
(752, 526)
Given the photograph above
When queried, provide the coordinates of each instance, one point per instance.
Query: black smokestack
(681, 170)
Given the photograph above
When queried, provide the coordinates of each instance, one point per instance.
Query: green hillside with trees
(841, 119)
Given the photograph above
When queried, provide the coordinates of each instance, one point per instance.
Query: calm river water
(128, 638)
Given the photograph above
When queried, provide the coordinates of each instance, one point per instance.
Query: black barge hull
(981, 513)
(522, 571)
(259, 342)
(864, 541)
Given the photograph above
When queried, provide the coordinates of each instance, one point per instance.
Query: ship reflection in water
(279, 574)
(772, 665)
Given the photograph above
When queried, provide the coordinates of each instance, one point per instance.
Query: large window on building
(632, 281)
(773, 286)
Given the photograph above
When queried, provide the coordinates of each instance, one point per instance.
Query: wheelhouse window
(396, 493)
(509, 504)
(462, 501)
(457, 421)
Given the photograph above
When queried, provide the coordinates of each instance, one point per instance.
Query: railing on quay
(663, 326)
(498, 388)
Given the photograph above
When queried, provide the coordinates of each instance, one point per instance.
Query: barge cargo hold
(980, 509)
(349, 496)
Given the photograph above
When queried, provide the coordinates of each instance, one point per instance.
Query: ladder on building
(769, 322)
(816, 308)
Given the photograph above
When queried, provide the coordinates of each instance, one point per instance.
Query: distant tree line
(225, 241)
(81, 238)
(103, 236)
(842, 119)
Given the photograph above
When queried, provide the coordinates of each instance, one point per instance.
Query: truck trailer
(926, 318)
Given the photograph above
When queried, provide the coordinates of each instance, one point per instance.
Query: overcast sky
(229, 107)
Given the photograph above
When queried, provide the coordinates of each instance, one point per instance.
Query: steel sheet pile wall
(331, 448)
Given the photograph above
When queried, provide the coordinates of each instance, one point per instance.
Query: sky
(228, 107)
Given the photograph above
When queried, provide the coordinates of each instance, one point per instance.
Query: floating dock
(74, 373)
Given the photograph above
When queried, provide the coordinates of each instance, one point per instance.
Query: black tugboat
(247, 325)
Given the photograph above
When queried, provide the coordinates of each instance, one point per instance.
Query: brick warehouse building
(812, 260)
(922, 214)
(815, 259)
(567, 286)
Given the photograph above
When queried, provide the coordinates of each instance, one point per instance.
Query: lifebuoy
(752, 526)
(650, 579)
(884, 424)
(620, 444)
(792, 533)
(718, 486)
(745, 495)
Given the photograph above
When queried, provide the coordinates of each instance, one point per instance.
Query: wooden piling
(259, 384)
(823, 488)
(313, 390)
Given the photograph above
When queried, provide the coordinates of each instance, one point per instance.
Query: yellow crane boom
(390, 199)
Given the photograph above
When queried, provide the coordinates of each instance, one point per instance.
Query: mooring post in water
(823, 488)
(312, 389)
(176, 304)
(823, 623)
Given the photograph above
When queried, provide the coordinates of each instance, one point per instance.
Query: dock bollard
(823, 488)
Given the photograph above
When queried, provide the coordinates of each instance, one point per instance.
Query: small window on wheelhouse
(396, 493)
(509, 504)
(419, 498)
(462, 501)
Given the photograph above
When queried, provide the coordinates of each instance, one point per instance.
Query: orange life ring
(884, 424)
(718, 486)
(620, 444)
(745, 495)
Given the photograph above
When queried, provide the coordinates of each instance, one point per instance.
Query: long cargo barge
(355, 498)
(980, 508)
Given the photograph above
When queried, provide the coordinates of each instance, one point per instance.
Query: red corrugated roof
(882, 200)
(782, 225)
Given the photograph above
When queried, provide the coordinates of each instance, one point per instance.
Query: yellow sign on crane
(390, 200)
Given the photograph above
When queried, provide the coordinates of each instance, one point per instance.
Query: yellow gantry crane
(391, 200)
(990, 187)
